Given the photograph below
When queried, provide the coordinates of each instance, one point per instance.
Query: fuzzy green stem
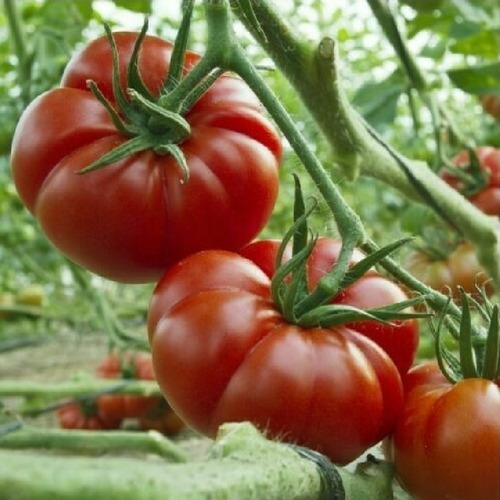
(417, 77)
(20, 49)
(234, 58)
(242, 464)
(96, 442)
(77, 388)
(312, 71)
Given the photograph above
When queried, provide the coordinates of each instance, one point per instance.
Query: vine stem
(20, 49)
(241, 464)
(77, 388)
(349, 225)
(312, 71)
(417, 77)
(93, 442)
(233, 57)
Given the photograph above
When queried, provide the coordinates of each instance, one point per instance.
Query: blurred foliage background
(456, 43)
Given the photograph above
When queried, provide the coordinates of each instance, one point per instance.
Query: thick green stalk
(77, 388)
(20, 49)
(349, 225)
(97, 442)
(242, 465)
(233, 57)
(312, 71)
(419, 80)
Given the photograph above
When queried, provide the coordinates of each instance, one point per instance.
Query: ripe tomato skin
(132, 219)
(222, 352)
(488, 198)
(447, 442)
(400, 340)
(460, 269)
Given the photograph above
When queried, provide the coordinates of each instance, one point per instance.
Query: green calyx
(298, 305)
(478, 354)
(149, 122)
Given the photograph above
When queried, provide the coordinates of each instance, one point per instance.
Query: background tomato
(127, 365)
(86, 415)
(460, 269)
(222, 352)
(130, 220)
(447, 442)
(488, 198)
(399, 340)
(491, 104)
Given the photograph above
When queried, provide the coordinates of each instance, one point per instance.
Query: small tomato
(460, 269)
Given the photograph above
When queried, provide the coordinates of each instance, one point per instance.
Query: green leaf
(377, 102)
(142, 6)
(478, 80)
(482, 43)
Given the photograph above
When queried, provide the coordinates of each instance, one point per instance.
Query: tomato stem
(95, 442)
(491, 365)
(179, 51)
(353, 148)
(467, 358)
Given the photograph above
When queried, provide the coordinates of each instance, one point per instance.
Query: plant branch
(20, 49)
(313, 72)
(93, 441)
(77, 388)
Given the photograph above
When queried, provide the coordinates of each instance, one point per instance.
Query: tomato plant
(486, 196)
(132, 218)
(460, 269)
(447, 442)
(223, 352)
(399, 339)
(87, 415)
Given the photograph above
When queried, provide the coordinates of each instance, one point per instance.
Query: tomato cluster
(460, 269)
(109, 411)
(222, 348)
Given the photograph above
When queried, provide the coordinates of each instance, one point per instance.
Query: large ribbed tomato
(223, 352)
(129, 220)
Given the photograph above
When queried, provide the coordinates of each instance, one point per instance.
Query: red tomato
(222, 352)
(128, 365)
(491, 104)
(399, 340)
(447, 442)
(130, 220)
(488, 198)
(460, 269)
(86, 416)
